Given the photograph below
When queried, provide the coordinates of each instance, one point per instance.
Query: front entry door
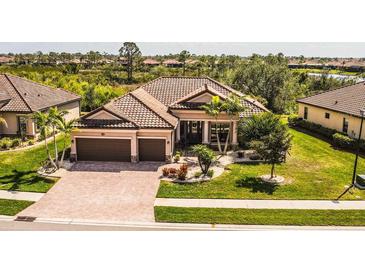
(191, 132)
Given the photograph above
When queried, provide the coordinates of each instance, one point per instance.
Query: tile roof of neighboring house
(349, 99)
(6, 59)
(171, 62)
(148, 106)
(150, 61)
(28, 96)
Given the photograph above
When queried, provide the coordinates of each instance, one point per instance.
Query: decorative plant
(165, 171)
(205, 157)
(177, 156)
(172, 172)
(182, 172)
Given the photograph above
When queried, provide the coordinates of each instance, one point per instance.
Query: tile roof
(138, 112)
(349, 99)
(148, 106)
(28, 96)
(168, 90)
(103, 123)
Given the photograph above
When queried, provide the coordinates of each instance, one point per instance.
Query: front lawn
(12, 207)
(260, 216)
(314, 170)
(18, 169)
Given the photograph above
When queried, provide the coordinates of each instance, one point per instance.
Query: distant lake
(338, 76)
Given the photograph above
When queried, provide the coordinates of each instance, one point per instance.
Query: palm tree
(66, 128)
(54, 115)
(214, 108)
(43, 123)
(232, 106)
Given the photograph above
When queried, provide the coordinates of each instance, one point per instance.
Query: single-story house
(172, 63)
(19, 98)
(147, 123)
(337, 109)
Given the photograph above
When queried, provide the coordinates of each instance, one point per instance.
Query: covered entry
(103, 149)
(151, 149)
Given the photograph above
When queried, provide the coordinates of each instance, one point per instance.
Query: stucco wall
(12, 121)
(12, 124)
(130, 134)
(317, 115)
(73, 109)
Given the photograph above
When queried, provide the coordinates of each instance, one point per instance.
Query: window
(327, 115)
(345, 125)
(305, 113)
(22, 125)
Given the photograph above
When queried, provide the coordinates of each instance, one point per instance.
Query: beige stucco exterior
(317, 115)
(11, 118)
(133, 135)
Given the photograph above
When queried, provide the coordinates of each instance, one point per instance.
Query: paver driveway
(102, 191)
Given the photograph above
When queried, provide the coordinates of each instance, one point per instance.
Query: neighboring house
(337, 109)
(145, 125)
(19, 98)
(151, 62)
(172, 63)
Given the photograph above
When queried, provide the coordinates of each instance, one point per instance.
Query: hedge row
(338, 139)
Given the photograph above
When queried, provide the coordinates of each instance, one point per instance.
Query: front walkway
(20, 195)
(261, 204)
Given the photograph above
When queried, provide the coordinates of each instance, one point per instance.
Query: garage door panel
(98, 149)
(151, 149)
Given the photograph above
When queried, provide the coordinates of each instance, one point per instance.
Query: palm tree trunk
(55, 146)
(218, 140)
(227, 139)
(48, 153)
(63, 152)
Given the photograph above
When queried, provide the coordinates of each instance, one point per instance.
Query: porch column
(206, 132)
(178, 132)
(134, 148)
(234, 133)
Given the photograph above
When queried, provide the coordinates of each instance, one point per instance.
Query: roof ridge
(18, 92)
(143, 103)
(225, 86)
(334, 89)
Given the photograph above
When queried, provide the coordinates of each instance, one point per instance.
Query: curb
(184, 226)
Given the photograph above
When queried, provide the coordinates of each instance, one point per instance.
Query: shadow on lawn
(256, 185)
(18, 178)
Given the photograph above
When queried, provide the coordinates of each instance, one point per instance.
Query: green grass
(313, 171)
(18, 169)
(299, 217)
(12, 207)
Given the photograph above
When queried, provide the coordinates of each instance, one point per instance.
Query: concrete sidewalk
(261, 204)
(19, 195)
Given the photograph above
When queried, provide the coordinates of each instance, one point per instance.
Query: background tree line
(99, 77)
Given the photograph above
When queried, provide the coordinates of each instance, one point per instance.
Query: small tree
(273, 146)
(205, 157)
(183, 57)
(130, 51)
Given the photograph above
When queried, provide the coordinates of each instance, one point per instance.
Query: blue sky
(244, 49)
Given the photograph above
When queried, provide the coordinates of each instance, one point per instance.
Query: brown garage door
(90, 149)
(151, 149)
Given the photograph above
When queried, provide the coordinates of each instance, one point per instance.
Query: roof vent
(336, 102)
(39, 95)
(25, 93)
